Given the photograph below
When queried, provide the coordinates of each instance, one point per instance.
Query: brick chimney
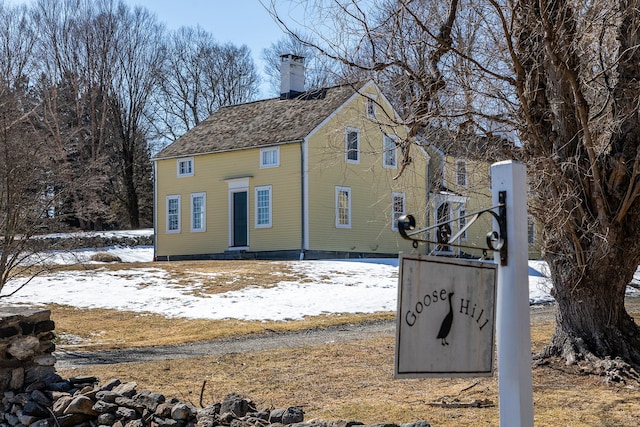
(291, 76)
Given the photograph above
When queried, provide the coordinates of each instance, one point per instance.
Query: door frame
(238, 185)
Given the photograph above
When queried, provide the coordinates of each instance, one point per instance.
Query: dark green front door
(240, 219)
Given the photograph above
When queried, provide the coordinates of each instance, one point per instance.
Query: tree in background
(77, 58)
(139, 58)
(198, 77)
(110, 84)
(560, 78)
(28, 159)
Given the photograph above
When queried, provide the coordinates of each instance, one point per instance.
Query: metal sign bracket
(496, 240)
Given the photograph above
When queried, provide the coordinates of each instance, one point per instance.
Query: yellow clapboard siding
(211, 173)
(370, 183)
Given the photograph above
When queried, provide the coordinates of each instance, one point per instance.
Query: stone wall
(26, 346)
(33, 394)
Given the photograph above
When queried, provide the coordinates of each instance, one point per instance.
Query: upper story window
(352, 142)
(198, 212)
(263, 206)
(270, 157)
(398, 209)
(173, 214)
(185, 167)
(389, 153)
(371, 106)
(343, 207)
(461, 173)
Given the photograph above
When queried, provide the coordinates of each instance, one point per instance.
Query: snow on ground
(352, 286)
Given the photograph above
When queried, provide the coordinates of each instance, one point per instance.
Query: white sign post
(512, 326)
(436, 296)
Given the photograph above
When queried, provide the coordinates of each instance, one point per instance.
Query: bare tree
(77, 58)
(28, 164)
(198, 77)
(561, 79)
(139, 58)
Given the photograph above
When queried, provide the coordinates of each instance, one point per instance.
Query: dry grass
(351, 380)
(97, 329)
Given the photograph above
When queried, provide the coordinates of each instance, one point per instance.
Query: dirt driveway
(256, 342)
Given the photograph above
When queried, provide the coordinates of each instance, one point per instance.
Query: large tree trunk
(591, 320)
(582, 139)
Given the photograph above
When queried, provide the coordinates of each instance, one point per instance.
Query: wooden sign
(446, 317)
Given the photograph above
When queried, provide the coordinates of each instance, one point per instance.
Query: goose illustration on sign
(445, 323)
(445, 327)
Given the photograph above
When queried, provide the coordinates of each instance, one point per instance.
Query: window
(531, 231)
(443, 232)
(263, 206)
(173, 214)
(352, 140)
(461, 173)
(389, 155)
(343, 207)
(198, 212)
(185, 167)
(270, 157)
(397, 209)
(462, 222)
(371, 107)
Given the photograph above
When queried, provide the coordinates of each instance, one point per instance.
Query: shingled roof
(261, 123)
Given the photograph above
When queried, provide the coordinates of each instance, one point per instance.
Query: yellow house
(459, 177)
(310, 174)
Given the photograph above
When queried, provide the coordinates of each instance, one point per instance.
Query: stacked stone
(26, 346)
(80, 402)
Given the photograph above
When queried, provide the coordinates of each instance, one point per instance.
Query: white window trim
(395, 215)
(276, 164)
(257, 216)
(204, 212)
(347, 131)
(182, 160)
(386, 137)
(371, 100)
(168, 198)
(466, 175)
(337, 211)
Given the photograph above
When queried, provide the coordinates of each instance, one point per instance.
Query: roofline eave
(203, 153)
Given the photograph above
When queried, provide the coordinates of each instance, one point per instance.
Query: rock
(237, 405)
(148, 399)
(126, 413)
(106, 419)
(81, 405)
(126, 389)
(109, 385)
(103, 407)
(60, 405)
(416, 424)
(292, 415)
(181, 412)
